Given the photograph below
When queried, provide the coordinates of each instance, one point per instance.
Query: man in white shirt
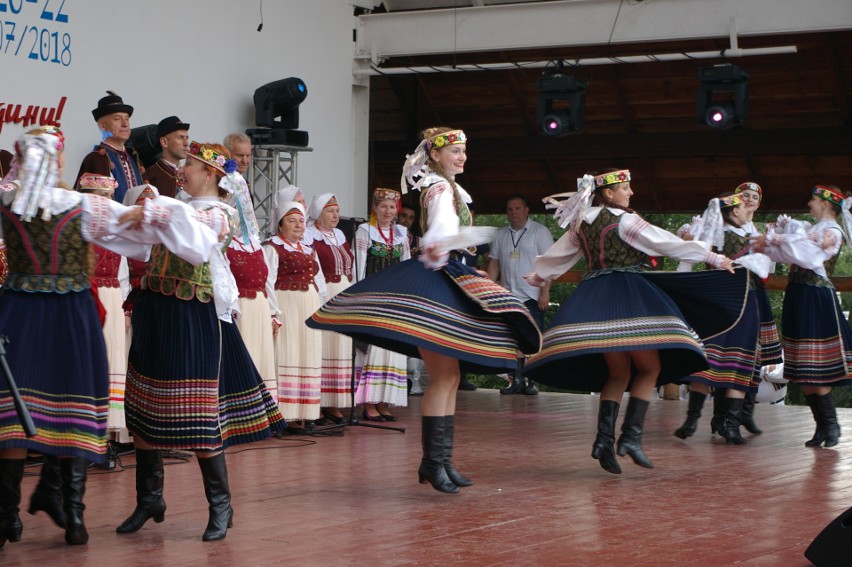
(513, 250)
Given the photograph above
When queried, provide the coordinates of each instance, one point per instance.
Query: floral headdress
(383, 194)
(730, 201)
(37, 153)
(415, 168)
(832, 194)
(750, 186)
(212, 157)
(612, 178)
(97, 182)
(836, 196)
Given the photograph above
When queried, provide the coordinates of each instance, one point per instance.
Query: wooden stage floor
(539, 498)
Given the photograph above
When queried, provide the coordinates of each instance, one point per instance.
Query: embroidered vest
(106, 267)
(296, 270)
(170, 275)
(603, 247)
(809, 277)
(250, 271)
(335, 261)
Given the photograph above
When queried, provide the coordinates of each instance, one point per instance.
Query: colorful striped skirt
(57, 356)
(816, 337)
(770, 341)
(191, 383)
(336, 361)
(622, 311)
(453, 311)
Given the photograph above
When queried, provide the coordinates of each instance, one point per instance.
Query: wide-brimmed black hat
(111, 104)
(169, 125)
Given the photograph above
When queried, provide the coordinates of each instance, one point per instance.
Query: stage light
(722, 96)
(276, 104)
(569, 93)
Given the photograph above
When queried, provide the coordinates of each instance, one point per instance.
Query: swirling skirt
(191, 383)
(453, 311)
(770, 341)
(57, 356)
(628, 311)
(816, 337)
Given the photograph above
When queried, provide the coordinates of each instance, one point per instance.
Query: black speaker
(833, 546)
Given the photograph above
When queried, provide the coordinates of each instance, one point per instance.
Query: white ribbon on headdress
(846, 225)
(710, 228)
(415, 168)
(38, 175)
(574, 208)
(239, 197)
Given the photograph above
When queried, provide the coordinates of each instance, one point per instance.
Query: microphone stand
(20, 406)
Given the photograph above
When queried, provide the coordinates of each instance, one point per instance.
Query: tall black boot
(630, 442)
(432, 465)
(748, 414)
(449, 431)
(693, 412)
(214, 472)
(830, 425)
(518, 384)
(48, 493)
(604, 447)
(73, 472)
(11, 473)
(149, 492)
(733, 418)
(819, 434)
(717, 422)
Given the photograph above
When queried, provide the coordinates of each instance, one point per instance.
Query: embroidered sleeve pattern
(634, 229)
(156, 216)
(99, 216)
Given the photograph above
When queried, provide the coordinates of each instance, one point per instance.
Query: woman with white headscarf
(335, 259)
(295, 286)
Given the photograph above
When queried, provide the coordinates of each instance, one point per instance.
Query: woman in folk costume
(111, 278)
(248, 266)
(379, 244)
(770, 342)
(625, 327)
(335, 259)
(295, 287)
(435, 307)
(58, 358)
(733, 356)
(191, 384)
(816, 337)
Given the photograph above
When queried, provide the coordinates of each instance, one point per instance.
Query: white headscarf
(284, 207)
(285, 195)
(318, 203)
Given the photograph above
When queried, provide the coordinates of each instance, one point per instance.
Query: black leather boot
(11, 473)
(518, 384)
(828, 416)
(693, 412)
(449, 431)
(717, 422)
(733, 418)
(819, 434)
(603, 448)
(630, 442)
(214, 472)
(748, 415)
(73, 472)
(48, 493)
(149, 492)
(432, 465)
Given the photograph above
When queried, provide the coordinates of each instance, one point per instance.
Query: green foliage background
(561, 291)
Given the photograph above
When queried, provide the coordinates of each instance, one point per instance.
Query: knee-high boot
(11, 473)
(828, 428)
(693, 412)
(717, 423)
(48, 493)
(73, 472)
(603, 448)
(432, 465)
(748, 414)
(449, 432)
(149, 492)
(214, 471)
(630, 441)
(731, 428)
(819, 433)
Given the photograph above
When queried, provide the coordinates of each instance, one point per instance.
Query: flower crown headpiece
(210, 156)
(749, 186)
(611, 178)
(446, 139)
(730, 201)
(97, 182)
(829, 194)
(382, 194)
(416, 165)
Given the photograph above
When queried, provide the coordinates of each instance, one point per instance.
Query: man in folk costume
(111, 157)
(173, 135)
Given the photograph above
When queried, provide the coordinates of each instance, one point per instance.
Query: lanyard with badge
(516, 254)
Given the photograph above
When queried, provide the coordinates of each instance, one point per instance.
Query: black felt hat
(169, 125)
(111, 104)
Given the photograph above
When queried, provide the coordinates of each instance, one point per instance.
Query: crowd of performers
(234, 337)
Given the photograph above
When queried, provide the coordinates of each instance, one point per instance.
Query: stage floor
(539, 498)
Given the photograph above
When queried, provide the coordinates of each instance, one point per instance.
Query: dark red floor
(539, 498)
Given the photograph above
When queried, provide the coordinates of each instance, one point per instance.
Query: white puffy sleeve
(809, 250)
(271, 257)
(559, 258)
(443, 222)
(362, 243)
(655, 241)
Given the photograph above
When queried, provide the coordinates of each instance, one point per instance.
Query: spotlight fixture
(276, 107)
(569, 114)
(722, 96)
